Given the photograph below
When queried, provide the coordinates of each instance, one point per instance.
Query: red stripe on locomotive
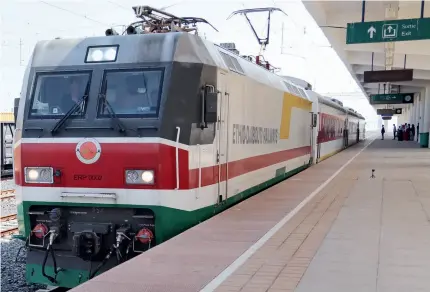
(116, 158)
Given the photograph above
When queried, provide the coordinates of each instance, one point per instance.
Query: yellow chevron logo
(288, 103)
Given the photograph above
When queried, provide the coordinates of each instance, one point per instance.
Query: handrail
(200, 169)
(177, 157)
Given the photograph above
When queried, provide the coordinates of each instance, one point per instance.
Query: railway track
(7, 194)
(9, 224)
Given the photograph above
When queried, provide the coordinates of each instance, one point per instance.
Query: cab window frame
(38, 75)
(102, 91)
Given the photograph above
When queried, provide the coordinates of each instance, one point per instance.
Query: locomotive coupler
(86, 244)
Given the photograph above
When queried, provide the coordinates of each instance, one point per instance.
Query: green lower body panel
(67, 278)
(424, 140)
(169, 222)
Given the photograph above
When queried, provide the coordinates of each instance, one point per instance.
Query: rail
(7, 194)
(9, 226)
(8, 218)
(7, 232)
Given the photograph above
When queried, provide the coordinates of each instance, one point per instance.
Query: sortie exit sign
(388, 31)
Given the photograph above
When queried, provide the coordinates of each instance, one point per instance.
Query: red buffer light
(40, 230)
(145, 235)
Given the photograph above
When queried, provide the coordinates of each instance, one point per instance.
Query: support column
(421, 120)
(425, 128)
(417, 114)
(406, 114)
(407, 118)
(409, 114)
(417, 109)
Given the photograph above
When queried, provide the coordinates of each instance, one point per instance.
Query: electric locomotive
(124, 141)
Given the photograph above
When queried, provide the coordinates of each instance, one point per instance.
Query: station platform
(332, 227)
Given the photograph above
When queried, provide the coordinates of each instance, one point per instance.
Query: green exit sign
(388, 31)
(395, 98)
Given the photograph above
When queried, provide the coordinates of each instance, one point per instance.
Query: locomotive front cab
(97, 150)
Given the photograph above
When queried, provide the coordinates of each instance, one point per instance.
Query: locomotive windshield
(132, 92)
(55, 94)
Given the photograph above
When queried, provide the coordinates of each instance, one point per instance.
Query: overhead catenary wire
(74, 13)
(119, 5)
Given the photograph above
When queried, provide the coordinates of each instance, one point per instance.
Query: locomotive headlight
(110, 54)
(145, 177)
(41, 175)
(97, 55)
(101, 54)
(148, 177)
(33, 174)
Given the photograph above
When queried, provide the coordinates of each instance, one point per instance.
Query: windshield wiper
(112, 114)
(68, 114)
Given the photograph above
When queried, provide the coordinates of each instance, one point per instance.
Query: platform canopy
(393, 36)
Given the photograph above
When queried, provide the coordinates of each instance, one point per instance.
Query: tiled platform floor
(357, 234)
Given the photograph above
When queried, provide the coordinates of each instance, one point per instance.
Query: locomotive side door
(222, 141)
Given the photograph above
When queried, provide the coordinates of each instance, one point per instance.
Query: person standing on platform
(418, 131)
(413, 133)
(400, 133)
(405, 132)
(382, 132)
(394, 132)
(409, 132)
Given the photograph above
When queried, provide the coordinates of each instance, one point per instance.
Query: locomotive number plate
(87, 177)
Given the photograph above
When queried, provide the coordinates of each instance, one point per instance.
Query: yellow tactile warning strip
(281, 262)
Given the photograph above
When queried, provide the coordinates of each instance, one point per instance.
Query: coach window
(55, 94)
(131, 93)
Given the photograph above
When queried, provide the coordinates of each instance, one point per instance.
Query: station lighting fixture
(101, 54)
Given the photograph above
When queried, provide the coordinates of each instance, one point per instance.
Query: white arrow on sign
(371, 31)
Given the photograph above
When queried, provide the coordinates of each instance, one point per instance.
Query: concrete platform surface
(355, 233)
(380, 241)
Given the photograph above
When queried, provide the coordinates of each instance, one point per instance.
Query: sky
(297, 45)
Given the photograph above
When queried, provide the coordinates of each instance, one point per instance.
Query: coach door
(222, 138)
(318, 136)
(346, 134)
(358, 132)
(313, 133)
